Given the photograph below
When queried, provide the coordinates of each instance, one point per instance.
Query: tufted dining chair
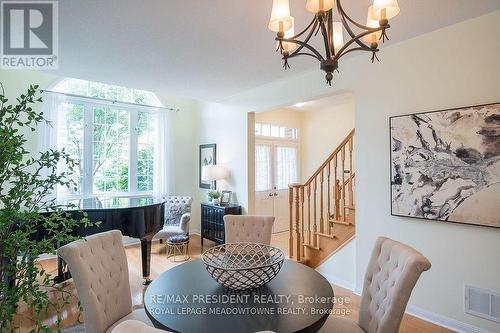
(248, 228)
(392, 273)
(98, 265)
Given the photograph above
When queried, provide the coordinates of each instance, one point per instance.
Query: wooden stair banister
(326, 196)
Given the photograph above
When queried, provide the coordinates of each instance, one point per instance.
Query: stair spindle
(321, 218)
(343, 183)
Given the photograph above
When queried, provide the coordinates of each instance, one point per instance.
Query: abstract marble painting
(445, 165)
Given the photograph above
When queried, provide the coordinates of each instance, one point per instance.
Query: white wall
(322, 132)
(226, 126)
(340, 268)
(455, 66)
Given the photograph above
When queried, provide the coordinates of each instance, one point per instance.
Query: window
(276, 131)
(112, 143)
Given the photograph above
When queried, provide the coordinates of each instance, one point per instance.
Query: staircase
(322, 218)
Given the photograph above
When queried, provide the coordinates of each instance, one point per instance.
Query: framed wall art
(208, 156)
(445, 165)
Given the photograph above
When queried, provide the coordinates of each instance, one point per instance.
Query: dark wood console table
(212, 220)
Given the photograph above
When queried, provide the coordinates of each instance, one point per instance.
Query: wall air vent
(482, 303)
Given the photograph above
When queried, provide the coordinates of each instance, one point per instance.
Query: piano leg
(146, 260)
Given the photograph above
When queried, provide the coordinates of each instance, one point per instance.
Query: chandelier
(367, 38)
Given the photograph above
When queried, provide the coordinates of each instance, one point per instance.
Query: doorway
(276, 166)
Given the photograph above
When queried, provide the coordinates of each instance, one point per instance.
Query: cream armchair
(393, 271)
(248, 228)
(177, 217)
(99, 268)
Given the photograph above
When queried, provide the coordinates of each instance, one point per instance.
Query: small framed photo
(225, 198)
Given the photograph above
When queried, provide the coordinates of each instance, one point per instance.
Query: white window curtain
(263, 168)
(163, 167)
(286, 167)
(52, 108)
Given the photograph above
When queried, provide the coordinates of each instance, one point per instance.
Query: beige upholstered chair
(392, 273)
(177, 217)
(135, 326)
(248, 228)
(98, 264)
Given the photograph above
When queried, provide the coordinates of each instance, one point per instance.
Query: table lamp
(212, 173)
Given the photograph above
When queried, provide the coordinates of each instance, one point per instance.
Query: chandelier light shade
(361, 37)
(280, 20)
(289, 47)
(316, 6)
(372, 22)
(338, 36)
(385, 9)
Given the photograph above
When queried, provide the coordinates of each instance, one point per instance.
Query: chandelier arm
(357, 39)
(357, 49)
(344, 15)
(307, 54)
(302, 45)
(326, 40)
(305, 30)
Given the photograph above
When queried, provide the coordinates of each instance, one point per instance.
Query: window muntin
(114, 146)
(276, 131)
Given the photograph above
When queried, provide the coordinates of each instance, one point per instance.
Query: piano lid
(104, 203)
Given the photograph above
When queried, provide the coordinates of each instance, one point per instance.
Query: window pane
(70, 137)
(111, 153)
(275, 131)
(146, 134)
(257, 129)
(266, 130)
(286, 166)
(262, 168)
(283, 132)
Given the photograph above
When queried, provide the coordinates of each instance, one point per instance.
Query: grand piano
(140, 217)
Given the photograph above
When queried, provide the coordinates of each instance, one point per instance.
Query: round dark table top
(186, 299)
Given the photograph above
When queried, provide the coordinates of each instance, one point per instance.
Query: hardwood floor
(70, 313)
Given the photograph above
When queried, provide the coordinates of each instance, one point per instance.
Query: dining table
(187, 299)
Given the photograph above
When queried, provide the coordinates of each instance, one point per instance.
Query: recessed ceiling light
(300, 104)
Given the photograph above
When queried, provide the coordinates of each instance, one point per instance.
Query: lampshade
(385, 9)
(372, 22)
(338, 36)
(280, 20)
(211, 173)
(316, 6)
(289, 47)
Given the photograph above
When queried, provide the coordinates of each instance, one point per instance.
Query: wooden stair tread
(326, 235)
(312, 247)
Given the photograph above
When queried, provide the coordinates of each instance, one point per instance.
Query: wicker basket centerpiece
(242, 266)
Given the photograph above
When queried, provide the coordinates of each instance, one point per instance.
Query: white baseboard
(426, 315)
(443, 321)
(337, 281)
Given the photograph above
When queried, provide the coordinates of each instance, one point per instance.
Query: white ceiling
(213, 49)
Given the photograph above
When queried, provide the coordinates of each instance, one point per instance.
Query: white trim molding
(443, 321)
(432, 317)
(338, 281)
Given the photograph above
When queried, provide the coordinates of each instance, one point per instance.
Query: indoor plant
(27, 180)
(214, 196)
